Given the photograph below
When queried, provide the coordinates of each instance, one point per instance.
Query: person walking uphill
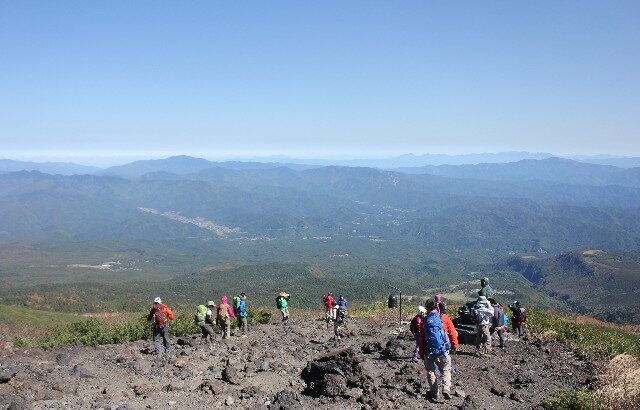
(282, 302)
(159, 316)
(436, 356)
(484, 315)
(225, 314)
(243, 314)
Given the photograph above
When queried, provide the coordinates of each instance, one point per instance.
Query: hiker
(342, 302)
(236, 308)
(518, 319)
(201, 320)
(338, 317)
(328, 302)
(416, 328)
(243, 314)
(485, 290)
(484, 313)
(211, 317)
(159, 316)
(225, 313)
(436, 356)
(449, 328)
(497, 322)
(282, 302)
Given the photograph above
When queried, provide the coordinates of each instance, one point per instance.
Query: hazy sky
(327, 78)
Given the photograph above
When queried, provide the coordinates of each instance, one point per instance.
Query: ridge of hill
(601, 283)
(552, 169)
(62, 168)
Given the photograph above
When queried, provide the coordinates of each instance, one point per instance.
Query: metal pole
(400, 308)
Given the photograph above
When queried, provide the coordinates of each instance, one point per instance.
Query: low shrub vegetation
(597, 341)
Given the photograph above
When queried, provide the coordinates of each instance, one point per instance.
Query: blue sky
(331, 78)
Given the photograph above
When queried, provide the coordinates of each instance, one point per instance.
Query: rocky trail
(292, 366)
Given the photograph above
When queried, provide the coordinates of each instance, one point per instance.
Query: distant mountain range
(406, 163)
(526, 216)
(62, 168)
(550, 169)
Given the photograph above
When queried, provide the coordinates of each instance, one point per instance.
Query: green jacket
(283, 302)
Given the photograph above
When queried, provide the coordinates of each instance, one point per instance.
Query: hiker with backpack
(243, 314)
(497, 322)
(486, 290)
(282, 303)
(436, 352)
(449, 328)
(518, 318)
(338, 316)
(201, 320)
(225, 314)
(484, 313)
(159, 316)
(416, 328)
(211, 317)
(328, 301)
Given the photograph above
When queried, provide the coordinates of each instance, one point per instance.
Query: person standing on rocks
(282, 302)
(436, 356)
(159, 316)
(518, 319)
(243, 314)
(452, 333)
(497, 321)
(201, 320)
(211, 317)
(486, 290)
(328, 302)
(416, 328)
(225, 313)
(338, 316)
(484, 314)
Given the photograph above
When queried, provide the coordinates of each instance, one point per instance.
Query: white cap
(157, 300)
(422, 310)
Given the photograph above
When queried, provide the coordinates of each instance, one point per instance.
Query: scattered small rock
(63, 359)
(81, 370)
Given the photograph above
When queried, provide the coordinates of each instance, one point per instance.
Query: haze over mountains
(365, 225)
(403, 161)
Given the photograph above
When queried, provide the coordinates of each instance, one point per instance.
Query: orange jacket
(450, 329)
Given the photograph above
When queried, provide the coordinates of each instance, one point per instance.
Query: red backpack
(159, 317)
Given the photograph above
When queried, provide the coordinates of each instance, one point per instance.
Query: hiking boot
(446, 395)
(433, 397)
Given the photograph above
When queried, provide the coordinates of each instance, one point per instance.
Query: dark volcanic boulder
(335, 373)
(6, 375)
(286, 400)
(393, 349)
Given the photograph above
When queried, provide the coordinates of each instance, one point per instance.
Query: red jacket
(417, 328)
(450, 329)
(328, 301)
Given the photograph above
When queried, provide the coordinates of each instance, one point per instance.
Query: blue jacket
(242, 308)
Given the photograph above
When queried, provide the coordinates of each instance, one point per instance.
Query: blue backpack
(436, 339)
